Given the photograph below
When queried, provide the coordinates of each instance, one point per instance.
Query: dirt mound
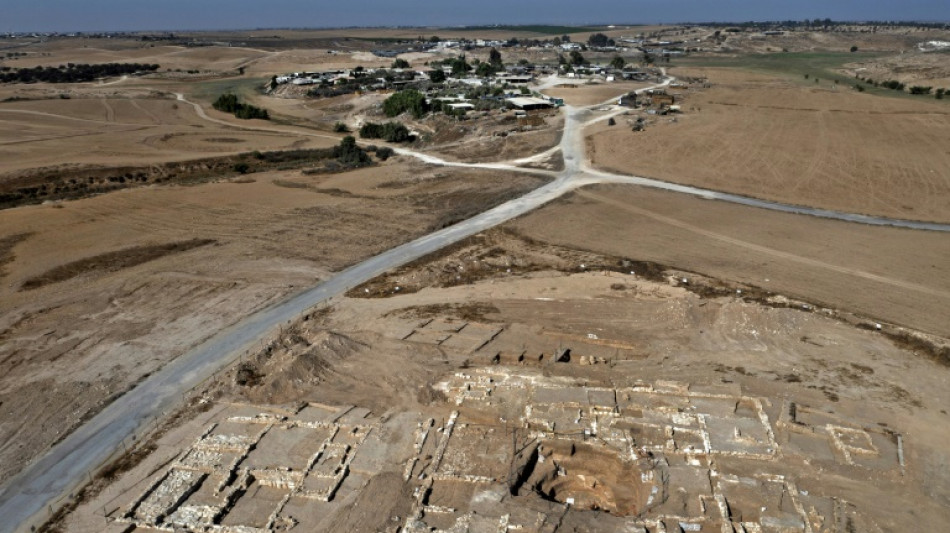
(583, 476)
(300, 359)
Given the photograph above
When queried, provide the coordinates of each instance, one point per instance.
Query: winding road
(25, 499)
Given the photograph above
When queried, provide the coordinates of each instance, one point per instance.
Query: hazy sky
(89, 15)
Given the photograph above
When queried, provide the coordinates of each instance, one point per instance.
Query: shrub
(384, 153)
(229, 104)
(340, 127)
(437, 76)
(611, 121)
(241, 168)
(893, 85)
(390, 131)
(349, 154)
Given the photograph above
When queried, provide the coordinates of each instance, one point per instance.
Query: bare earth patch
(112, 262)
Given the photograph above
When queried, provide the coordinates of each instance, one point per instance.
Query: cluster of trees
(575, 59)
(887, 84)
(459, 66)
(229, 103)
(826, 25)
(892, 84)
(409, 100)
(394, 132)
(72, 73)
(599, 40)
(895, 85)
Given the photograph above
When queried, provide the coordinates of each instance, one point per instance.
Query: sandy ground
(894, 275)
(69, 347)
(643, 330)
(585, 94)
(758, 136)
(123, 131)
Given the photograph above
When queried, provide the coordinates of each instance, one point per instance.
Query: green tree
(460, 66)
(400, 63)
(494, 58)
(577, 58)
(618, 63)
(350, 154)
(598, 40)
(409, 100)
(854, 49)
(484, 70)
(437, 76)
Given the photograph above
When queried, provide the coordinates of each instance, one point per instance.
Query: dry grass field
(584, 94)
(802, 143)
(891, 275)
(123, 131)
(99, 292)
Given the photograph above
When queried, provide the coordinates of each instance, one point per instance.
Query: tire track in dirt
(110, 112)
(764, 249)
(147, 113)
(66, 117)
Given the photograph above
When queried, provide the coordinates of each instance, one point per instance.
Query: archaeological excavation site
(517, 278)
(539, 396)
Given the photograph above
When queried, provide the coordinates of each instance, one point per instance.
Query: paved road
(67, 464)
(25, 497)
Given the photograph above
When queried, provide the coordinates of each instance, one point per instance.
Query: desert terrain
(621, 358)
(262, 239)
(531, 384)
(798, 142)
